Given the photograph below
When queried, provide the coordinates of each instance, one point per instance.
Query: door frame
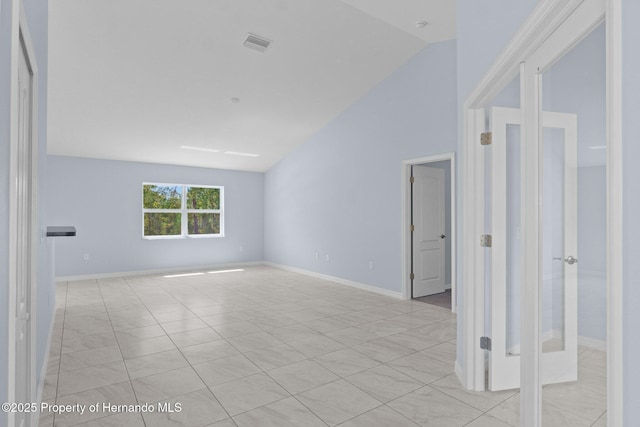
(545, 19)
(21, 39)
(406, 222)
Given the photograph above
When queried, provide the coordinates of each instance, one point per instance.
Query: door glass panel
(573, 236)
(553, 236)
(513, 265)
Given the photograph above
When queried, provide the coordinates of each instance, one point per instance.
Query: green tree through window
(162, 197)
(181, 210)
(203, 198)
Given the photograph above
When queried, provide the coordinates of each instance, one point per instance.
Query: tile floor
(266, 347)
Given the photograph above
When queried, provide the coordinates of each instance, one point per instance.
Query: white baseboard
(515, 350)
(557, 334)
(157, 271)
(339, 280)
(583, 341)
(457, 369)
(592, 343)
(447, 286)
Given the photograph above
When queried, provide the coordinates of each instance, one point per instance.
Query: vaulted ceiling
(169, 81)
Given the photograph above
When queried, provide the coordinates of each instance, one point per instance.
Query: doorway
(550, 216)
(428, 230)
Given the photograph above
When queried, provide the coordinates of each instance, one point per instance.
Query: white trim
(406, 221)
(592, 343)
(45, 364)
(473, 217)
(13, 238)
(161, 271)
(339, 280)
(541, 23)
(20, 35)
(188, 236)
(457, 369)
(184, 212)
(155, 272)
(35, 220)
(516, 349)
(503, 369)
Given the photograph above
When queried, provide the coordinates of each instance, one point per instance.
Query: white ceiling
(138, 79)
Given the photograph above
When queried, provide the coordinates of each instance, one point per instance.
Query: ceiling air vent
(257, 43)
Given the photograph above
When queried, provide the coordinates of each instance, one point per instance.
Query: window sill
(194, 236)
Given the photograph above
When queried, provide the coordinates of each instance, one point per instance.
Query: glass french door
(564, 250)
(559, 299)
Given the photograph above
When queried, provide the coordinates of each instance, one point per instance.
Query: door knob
(570, 260)
(442, 236)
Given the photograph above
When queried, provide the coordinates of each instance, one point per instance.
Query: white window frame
(184, 211)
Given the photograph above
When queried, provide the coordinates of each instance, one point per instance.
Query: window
(177, 210)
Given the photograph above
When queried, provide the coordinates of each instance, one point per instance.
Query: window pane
(204, 223)
(203, 198)
(162, 224)
(162, 197)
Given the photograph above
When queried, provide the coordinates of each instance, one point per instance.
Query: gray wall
(36, 12)
(592, 253)
(340, 192)
(577, 84)
(103, 199)
(631, 200)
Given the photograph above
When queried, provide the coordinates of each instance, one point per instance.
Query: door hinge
(485, 138)
(485, 240)
(412, 179)
(411, 276)
(485, 343)
(412, 228)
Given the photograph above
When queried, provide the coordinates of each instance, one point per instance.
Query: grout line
(118, 344)
(185, 358)
(251, 308)
(64, 315)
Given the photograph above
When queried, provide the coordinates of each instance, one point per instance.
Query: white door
(24, 255)
(428, 236)
(559, 362)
